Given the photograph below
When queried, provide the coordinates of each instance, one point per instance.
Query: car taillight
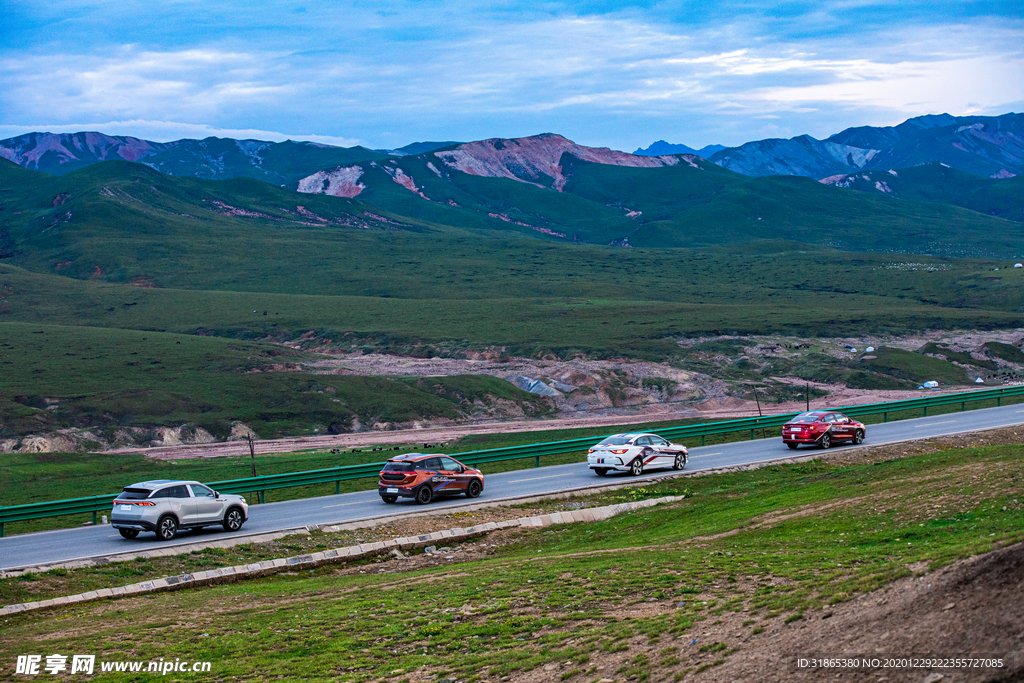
(143, 503)
(619, 451)
(589, 451)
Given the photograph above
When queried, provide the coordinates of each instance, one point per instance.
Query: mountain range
(988, 146)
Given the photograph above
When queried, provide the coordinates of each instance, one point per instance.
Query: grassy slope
(686, 206)
(111, 378)
(559, 595)
(937, 183)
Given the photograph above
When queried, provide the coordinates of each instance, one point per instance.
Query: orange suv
(424, 476)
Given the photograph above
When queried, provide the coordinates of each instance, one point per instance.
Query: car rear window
(615, 441)
(399, 467)
(806, 418)
(134, 494)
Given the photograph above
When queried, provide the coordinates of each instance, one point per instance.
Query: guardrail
(95, 504)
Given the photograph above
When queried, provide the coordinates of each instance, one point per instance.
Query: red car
(822, 428)
(424, 476)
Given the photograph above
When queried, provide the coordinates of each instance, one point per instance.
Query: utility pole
(807, 395)
(252, 454)
(759, 413)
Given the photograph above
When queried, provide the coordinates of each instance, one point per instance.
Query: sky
(607, 74)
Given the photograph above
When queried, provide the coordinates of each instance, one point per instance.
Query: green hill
(277, 163)
(936, 182)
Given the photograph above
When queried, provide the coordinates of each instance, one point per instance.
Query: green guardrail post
(261, 496)
(885, 417)
(94, 517)
(999, 401)
(963, 406)
(337, 486)
(751, 434)
(536, 460)
(926, 411)
(702, 439)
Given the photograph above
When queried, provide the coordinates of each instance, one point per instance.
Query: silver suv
(165, 505)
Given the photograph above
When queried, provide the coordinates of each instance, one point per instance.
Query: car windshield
(615, 441)
(400, 467)
(806, 418)
(134, 494)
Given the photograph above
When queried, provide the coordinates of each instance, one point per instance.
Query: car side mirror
(216, 494)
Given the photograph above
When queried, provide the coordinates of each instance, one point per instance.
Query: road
(70, 544)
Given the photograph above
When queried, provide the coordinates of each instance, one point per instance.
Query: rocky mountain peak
(537, 159)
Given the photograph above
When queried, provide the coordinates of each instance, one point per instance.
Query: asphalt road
(70, 544)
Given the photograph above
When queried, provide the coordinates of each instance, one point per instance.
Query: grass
(110, 380)
(560, 595)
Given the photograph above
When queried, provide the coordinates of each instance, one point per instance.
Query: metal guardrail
(94, 504)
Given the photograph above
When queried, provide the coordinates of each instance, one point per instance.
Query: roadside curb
(336, 555)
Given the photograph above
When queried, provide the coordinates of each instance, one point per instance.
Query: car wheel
(424, 495)
(233, 520)
(792, 446)
(858, 437)
(473, 488)
(129, 533)
(389, 499)
(826, 440)
(600, 471)
(166, 528)
(637, 466)
(680, 462)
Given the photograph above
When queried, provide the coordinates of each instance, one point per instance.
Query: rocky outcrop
(341, 182)
(537, 159)
(242, 432)
(82, 441)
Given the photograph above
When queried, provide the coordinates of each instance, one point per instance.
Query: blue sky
(613, 74)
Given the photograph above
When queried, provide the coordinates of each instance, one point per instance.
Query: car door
(666, 456)
(830, 426)
(649, 454)
(450, 468)
(844, 427)
(438, 482)
(178, 500)
(209, 508)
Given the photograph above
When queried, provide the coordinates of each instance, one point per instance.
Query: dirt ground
(968, 609)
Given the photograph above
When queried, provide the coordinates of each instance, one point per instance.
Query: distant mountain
(802, 155)
(988, 146)
(60, 153)
(280, 163)
(422, 147)
(661, 147)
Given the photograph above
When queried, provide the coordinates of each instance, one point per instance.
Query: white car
(635, 453)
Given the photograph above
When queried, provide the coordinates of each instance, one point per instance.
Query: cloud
(608, 74)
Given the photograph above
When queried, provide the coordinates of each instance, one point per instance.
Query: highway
(64, 545)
